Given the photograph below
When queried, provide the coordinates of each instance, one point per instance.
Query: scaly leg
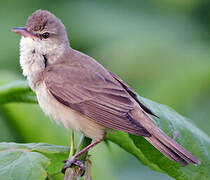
(74, 161)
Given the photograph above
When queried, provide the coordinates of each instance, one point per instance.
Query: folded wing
(96, 95)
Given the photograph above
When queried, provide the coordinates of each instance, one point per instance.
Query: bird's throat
(35, 55)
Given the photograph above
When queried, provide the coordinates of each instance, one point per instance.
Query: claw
(73, 161)
(81, 165)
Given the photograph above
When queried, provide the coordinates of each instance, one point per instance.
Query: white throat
(32, 52)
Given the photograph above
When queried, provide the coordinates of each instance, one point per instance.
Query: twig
(69, 174)
(88, 169)
(72, 174)
(72, 145)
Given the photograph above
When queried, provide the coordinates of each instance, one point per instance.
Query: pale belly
(69, 118)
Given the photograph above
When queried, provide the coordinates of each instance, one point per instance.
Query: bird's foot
(73, 161)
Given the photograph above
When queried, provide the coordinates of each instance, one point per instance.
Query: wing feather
(97, 96)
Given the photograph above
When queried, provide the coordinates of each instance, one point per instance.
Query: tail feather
(162, 142)
(174, 152)
(165, 150)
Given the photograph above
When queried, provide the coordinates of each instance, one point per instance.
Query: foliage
(190, 137)
(30, 161)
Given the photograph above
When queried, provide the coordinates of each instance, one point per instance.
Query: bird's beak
(24, 32)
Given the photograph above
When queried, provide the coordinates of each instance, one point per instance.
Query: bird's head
(44, 42)
(45, 31)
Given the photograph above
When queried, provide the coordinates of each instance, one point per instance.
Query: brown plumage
(42, 20)
(79, 85)
(91, 90)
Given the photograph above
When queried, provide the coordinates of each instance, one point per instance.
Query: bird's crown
(43, 20)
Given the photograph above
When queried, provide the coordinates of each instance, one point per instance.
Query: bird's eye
(46, 35)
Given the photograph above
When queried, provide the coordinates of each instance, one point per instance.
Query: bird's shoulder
(77, 67)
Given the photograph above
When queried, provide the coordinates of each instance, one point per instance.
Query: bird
(76, 91)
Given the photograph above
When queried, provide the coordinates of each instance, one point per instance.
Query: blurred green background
(160, 48)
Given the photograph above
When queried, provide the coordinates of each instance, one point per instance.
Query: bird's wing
(133, 94)
(94, 93)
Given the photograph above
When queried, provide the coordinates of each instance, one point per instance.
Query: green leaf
(17, 92)
(30, 161)
(192, 138)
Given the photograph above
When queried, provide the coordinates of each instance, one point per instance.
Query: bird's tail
(172, 149)
(164, 143)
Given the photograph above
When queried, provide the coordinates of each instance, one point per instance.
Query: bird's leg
(74, 161)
